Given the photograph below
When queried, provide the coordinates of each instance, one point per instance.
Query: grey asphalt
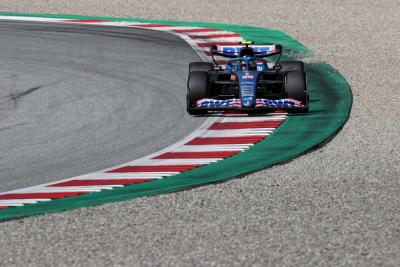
(336, 206)
(74, 100)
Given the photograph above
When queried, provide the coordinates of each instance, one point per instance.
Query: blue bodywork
(247, 69)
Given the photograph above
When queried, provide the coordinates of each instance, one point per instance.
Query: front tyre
(296, 87)
(197, 88)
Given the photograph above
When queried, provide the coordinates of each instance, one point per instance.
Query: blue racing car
(247, 82)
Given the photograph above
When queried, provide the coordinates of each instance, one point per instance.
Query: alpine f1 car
(247, 83)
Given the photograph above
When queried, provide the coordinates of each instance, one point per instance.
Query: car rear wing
(234, 51)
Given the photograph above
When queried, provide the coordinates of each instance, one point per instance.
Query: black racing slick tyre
(197, 88)
(291, 65)
(201, 66)
(296, 87)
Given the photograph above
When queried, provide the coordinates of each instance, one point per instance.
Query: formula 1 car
(247, 83)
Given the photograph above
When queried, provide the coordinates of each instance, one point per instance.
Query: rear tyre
(197, 88)
(296, 87)
(201, 66)
(292, 65)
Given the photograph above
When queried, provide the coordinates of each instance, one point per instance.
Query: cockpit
(244, 64)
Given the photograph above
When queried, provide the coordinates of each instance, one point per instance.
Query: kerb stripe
(151, 25)
(195, 30)
(225, 140)
(208, 44)
(101, 182)
(159, 168)
(40, 195)
(245, 125)
(212, 36)
(196, 155)
(87, 20)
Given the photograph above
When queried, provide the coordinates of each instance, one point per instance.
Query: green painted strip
(330, 106)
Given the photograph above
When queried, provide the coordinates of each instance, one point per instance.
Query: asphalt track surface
(336, 206)
(74, 100)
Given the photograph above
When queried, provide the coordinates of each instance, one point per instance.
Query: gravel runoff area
(338, 205)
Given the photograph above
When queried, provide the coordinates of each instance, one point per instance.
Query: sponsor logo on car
(247, 102)
(247, 75)
(279, 103)
(211, 103)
